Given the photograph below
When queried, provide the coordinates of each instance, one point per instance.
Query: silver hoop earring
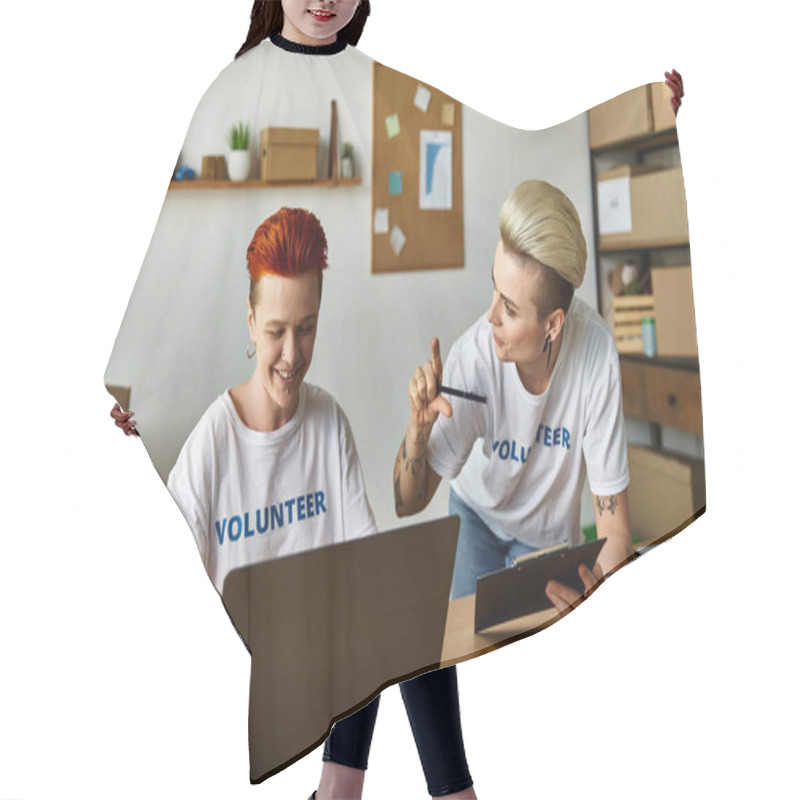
(250, 353)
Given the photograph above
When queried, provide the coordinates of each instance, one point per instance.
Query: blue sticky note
(395, 183)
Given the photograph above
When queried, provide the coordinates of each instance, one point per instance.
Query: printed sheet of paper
(395, 183)
(436, 170)
(449, 114)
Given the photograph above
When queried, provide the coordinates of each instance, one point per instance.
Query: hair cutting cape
(411, 242)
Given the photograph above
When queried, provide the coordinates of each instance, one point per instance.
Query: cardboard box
(665, 491)
(663, 115)
(627, 116)
(674, 311)
(641, 206)
(289, 154)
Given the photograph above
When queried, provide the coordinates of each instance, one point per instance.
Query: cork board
(407, 113)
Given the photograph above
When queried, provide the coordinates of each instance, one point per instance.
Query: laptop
(329, 628)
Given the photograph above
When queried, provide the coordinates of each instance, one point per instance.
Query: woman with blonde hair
(550, 371)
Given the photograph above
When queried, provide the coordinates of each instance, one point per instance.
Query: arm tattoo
(607, 504)
(413, 463)
(398, 498)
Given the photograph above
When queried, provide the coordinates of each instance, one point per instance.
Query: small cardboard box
(665, 491)
(289, 154)
(663, 115)
(627, 116)
(674, 311)
(641, 205)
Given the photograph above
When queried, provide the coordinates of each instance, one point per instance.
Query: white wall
(184, 335)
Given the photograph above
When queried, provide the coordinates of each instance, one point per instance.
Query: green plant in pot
(348, 161)
(239, 155)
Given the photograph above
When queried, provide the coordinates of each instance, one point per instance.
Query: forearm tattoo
(398, 497)
(412, 463)
(606, 504)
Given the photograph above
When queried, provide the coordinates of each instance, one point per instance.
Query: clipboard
(519, 590)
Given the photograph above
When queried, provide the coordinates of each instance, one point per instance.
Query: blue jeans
(479, 550)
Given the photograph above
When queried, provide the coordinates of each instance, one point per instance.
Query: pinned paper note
(381, 224)
(398, 240)
(392, 125)
(395, 183)
(449, 114)
(422, 99)
(436, 170)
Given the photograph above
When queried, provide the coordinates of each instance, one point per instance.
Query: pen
(476, 398)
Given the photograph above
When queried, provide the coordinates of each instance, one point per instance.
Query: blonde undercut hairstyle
(538, 223)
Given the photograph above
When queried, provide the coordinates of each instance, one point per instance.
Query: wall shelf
(259, 184)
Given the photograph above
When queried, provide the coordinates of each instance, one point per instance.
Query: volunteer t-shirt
(521, 460)
(250, 496)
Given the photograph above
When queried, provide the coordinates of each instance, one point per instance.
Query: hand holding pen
(423, 392)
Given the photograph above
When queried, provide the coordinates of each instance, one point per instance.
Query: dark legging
(432, 706)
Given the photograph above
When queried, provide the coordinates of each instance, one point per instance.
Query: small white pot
(239, 165)
(348, 167)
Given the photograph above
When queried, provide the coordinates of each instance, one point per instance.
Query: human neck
(535, 376)
(256, 408)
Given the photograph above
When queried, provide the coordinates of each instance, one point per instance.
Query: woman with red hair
(258, 445)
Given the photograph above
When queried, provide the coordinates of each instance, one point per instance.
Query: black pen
(476, 398)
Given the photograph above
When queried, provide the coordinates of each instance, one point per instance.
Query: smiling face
(519, 334)
(315, 22)
(283, 326)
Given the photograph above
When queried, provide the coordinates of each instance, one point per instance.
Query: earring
(250, 353)
(548, 347)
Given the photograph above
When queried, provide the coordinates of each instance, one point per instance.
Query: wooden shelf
(688, 364)
(259, 184)
(653, 141)
(656, 244)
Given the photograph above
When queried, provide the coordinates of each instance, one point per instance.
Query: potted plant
(239, 156)
(348, 161)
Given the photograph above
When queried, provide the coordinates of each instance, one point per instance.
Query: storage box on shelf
(641, 205)
(674, 312)
(289, 154)
(631, 115)
(666, 490)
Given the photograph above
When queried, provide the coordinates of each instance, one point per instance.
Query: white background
(120, 675)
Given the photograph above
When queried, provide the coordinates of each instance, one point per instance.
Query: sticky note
(381, 224)
(422, 99)
(392, 125)
(449, 114)
(395, 183)
(398, 240)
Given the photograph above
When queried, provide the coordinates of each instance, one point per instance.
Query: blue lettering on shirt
(272, 517)
(512, 450)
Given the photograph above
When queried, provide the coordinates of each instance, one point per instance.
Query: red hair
(289, 243)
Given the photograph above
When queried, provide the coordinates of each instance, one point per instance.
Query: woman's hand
(565, 598)
(124, 420)
(423, 393)
(675, 83)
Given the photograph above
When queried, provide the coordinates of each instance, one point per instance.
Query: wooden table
(461, 642)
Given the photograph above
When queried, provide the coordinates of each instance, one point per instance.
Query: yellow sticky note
(449, 114)
(392, 125)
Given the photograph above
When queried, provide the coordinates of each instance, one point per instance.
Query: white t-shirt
(525, 477)
(250, 496)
